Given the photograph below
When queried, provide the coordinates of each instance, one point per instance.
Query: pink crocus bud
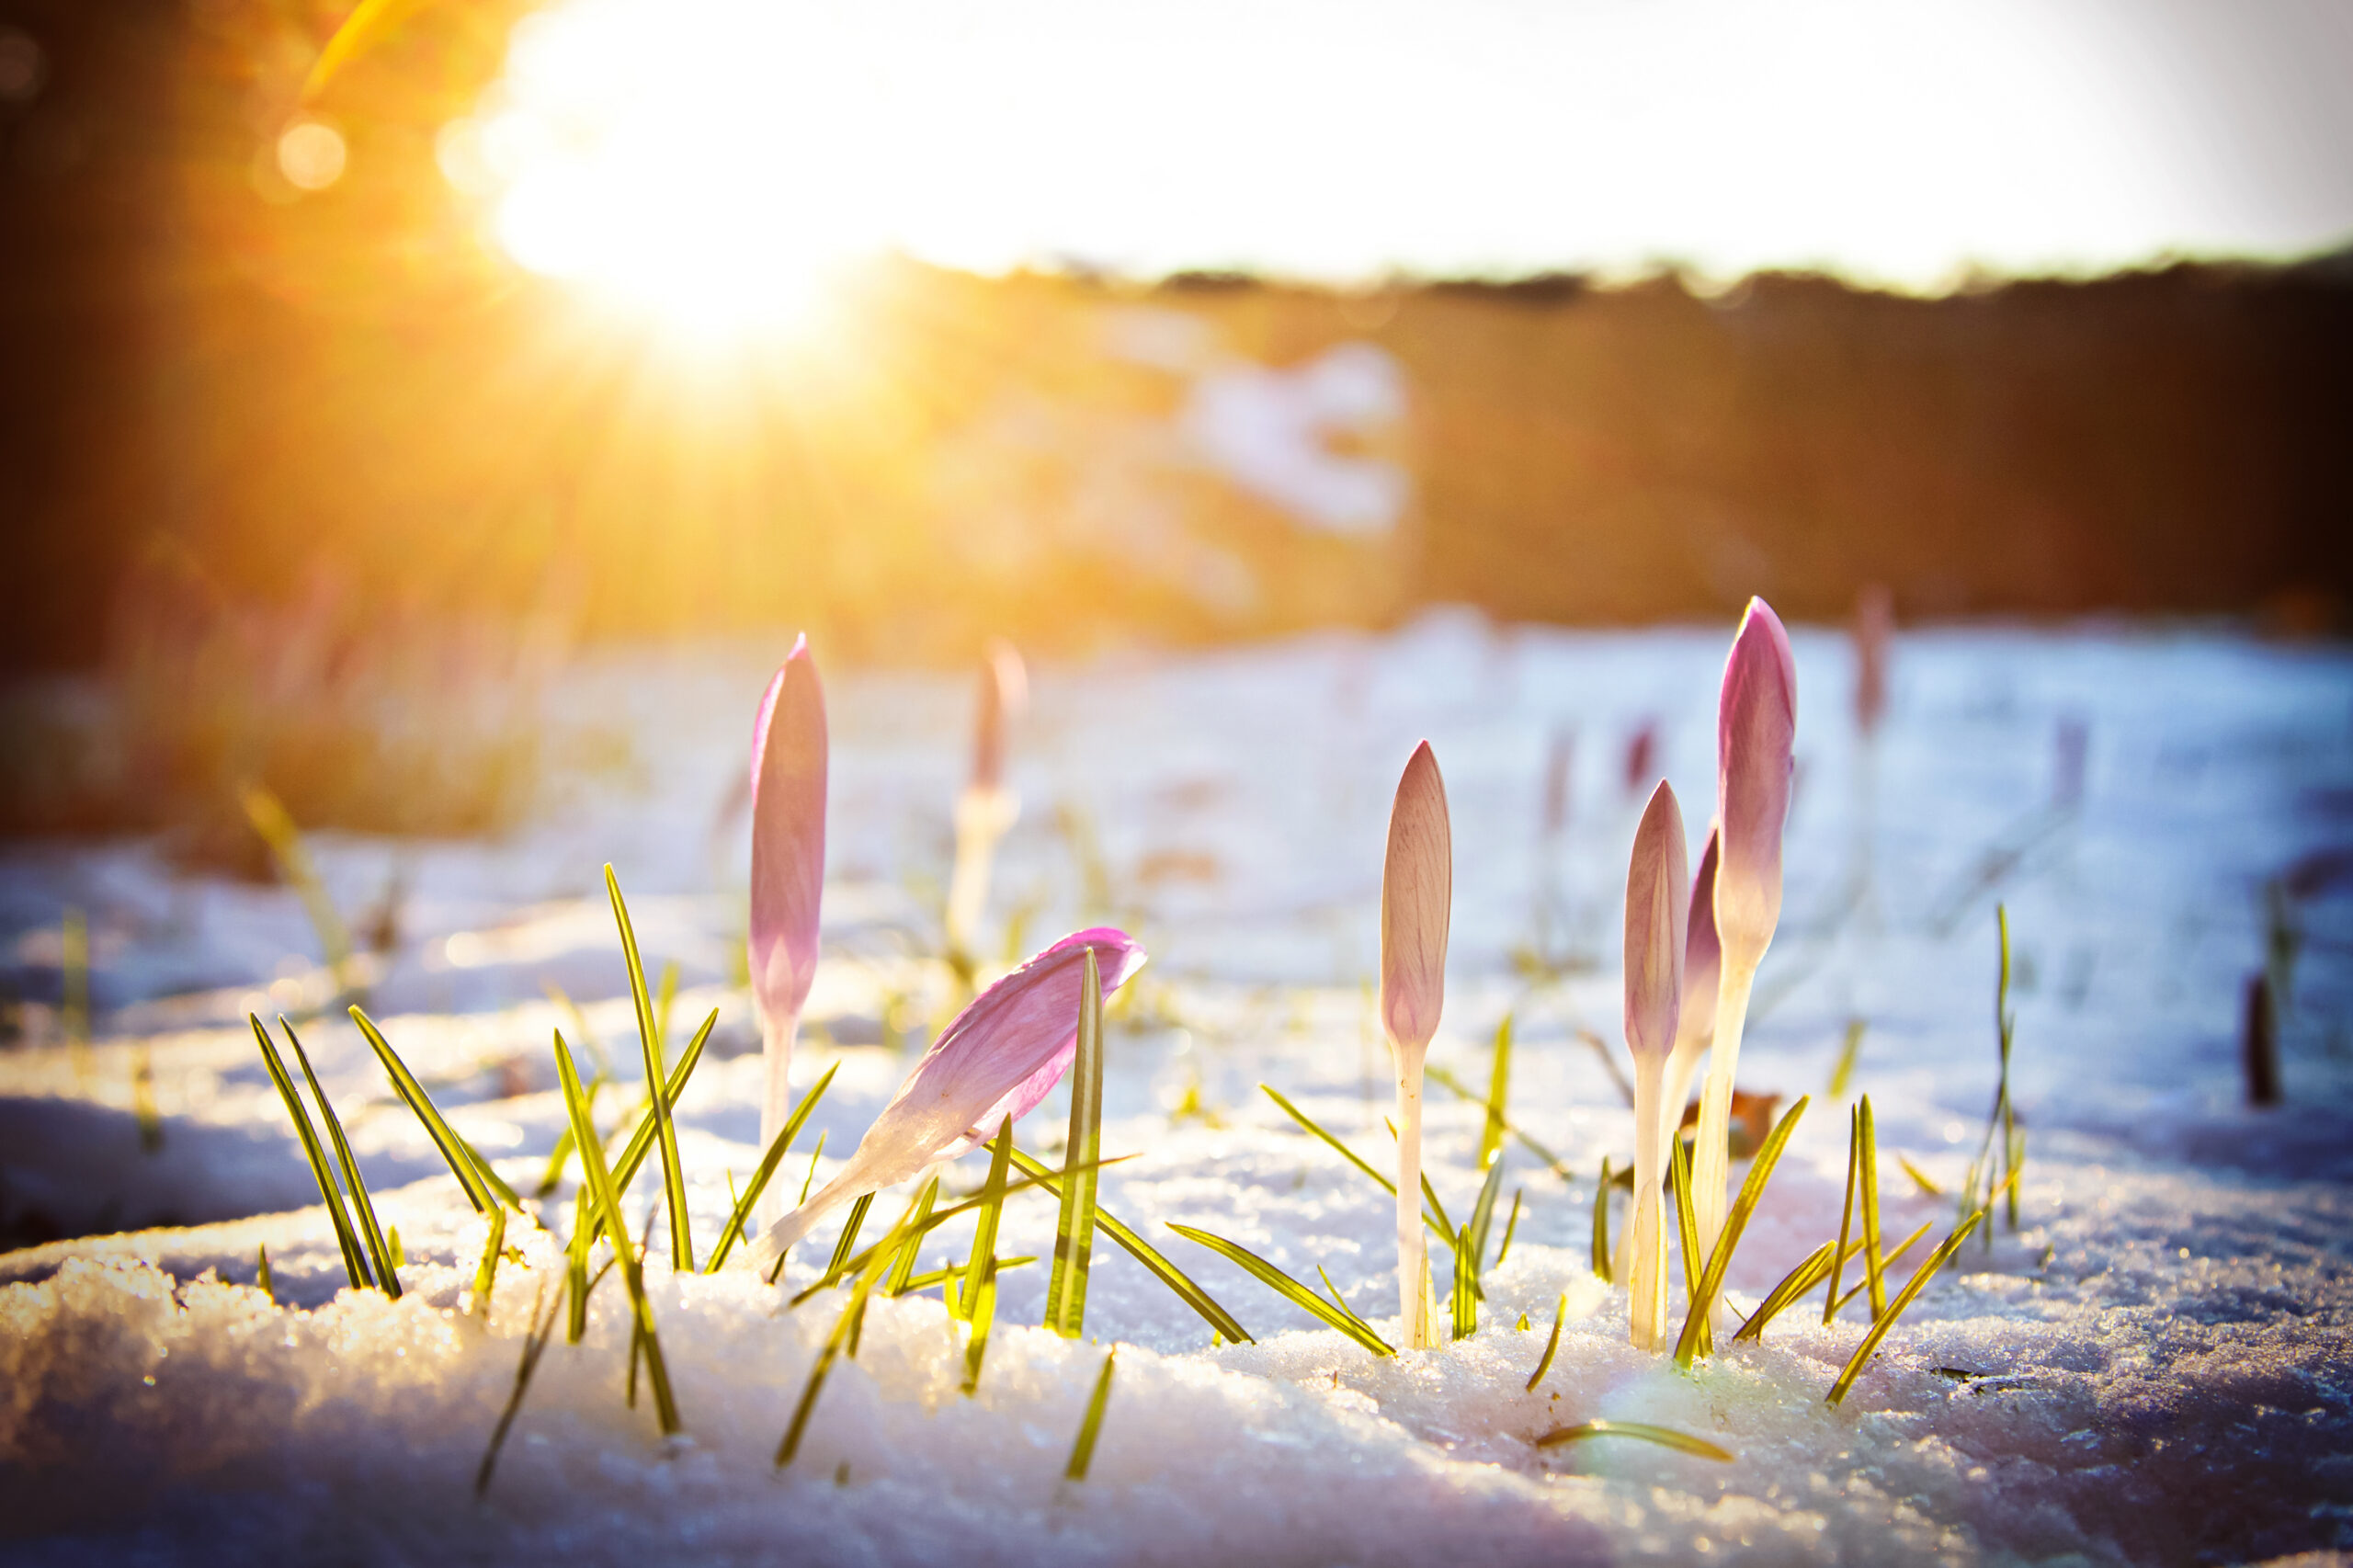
(1695, 1025)
(1416, 904)
(999, 1057)
(1757, 725)
(1005, 693)
(1641, 755)
(788, 864)
(1657, 920)
(1756, 720)
(1874, 630)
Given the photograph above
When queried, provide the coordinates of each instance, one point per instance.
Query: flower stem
(1710, 1150)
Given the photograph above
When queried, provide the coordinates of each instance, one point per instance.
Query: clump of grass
(1751, 1192)
(380, 1253)
(355, 1265)
(1665, 1437)
(1082, 1452)
(609, 1206)
(1886, 1319)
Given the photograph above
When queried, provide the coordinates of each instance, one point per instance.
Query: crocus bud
(1874, 630)
(1641, 755)
(1004, 692)
(1657, 920)
(998, 1058)
(1695, 1024)
(1657, 917)
(1558, 770)
(788, 864)
(1756, 720)
(1417, 902)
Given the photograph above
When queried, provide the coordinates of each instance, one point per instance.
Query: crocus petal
(787, 853)
(998, 1058)
(1755, 728)
(1416, 901)
(1703, 955)
(1657, 919)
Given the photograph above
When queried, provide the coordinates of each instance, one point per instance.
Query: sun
(696, 161)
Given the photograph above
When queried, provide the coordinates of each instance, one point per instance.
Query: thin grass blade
(1491, 1137)
(845, 1327)
(1460, 1090)
(455, 1153)
(649, 1034)
(1891, 1260)
(355, 1264)
(1510, 1225)
(1552, 1345)
(1601, 1225)
(1308, 1125)
(486, 1272)
(1874, 1273)
(1751, 1192)
(1795, 1283)
(900, 1282)
(1291, 1290)
(848, 1241)
(1830, 1298)
(1075, 1226)
(1687, 1229)
(1917, 1283)
(1665, 1437)
(977, 1277)
(1082, 1452)
(380, 1252)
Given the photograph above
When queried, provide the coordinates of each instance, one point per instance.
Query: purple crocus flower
(1703, 963)
(998, 1058)
(1756, 720)
(1417, 902)
(1657, 919)
(787, 864)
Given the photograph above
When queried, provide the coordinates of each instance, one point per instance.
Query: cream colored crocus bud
(788, 758)
(1657, 919)
(1756, 718)
(986, 811)
(1416, 901)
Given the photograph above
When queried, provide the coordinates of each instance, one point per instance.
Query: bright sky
(711, 153)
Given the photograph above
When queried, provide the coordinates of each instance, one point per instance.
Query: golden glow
(310, 155)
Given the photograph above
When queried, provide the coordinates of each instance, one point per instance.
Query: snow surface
(2151, 1368)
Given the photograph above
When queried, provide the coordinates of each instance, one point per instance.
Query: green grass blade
(455, 1153)
(1510, 1225)
(275, 825)
(1075, 1226)
(1920, 1178)
(1482, 1218)
(1168, 1273)
(901, 1279)
(931, 1221)
(981, 1316)
(1552, 1345)
(1889, 1261)
(1463, 1302)
(954, 1272)
(641, 1141)
(486, 1272)
(1918, 1282)
(1291, 1290)
(354, 1264)
(1601, 1225)
(1687, 1230)
(1082, 1452)
(608, 1203)
(379, 1253)
(1874, 1274)
(768, 1161)
(649, 1035)
(561, 1155)
(1308, 1125)
(1846, 1055)
(1795, 1283)
(262, 1279)
(1751, 1192)
(848, 1241)
(1491, 1137)
(1665, 1437)
(810, 1180)
(976, 1272)
(1342, 1301)
(1847, 1214)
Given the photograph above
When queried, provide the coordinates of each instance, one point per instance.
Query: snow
(2150, 1370)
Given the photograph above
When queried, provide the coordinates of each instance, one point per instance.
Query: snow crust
(2150, 1369)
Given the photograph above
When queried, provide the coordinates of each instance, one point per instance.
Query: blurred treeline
(273, 393)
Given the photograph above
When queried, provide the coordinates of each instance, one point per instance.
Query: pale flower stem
(1414, 1329)
(1646, 1303)
(776, 1104)
(1711, 1154)
(982, 818)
